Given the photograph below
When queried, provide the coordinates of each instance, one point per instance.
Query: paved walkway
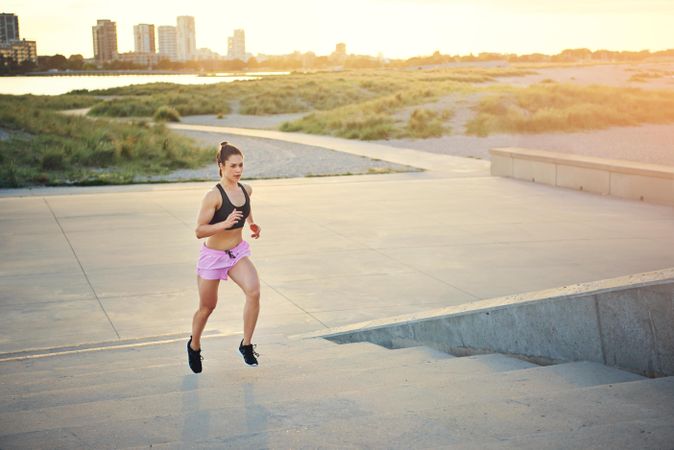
(88, 265)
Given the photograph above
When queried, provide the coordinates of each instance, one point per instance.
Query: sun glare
(397, 28)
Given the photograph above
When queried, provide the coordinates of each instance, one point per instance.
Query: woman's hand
(255, 228)
(232, 219)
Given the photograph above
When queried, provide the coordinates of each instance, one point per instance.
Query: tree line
(309, 61)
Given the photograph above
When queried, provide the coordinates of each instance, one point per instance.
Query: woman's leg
(208, 298)
(245, 275)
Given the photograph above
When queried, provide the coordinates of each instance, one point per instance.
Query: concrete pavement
(87, 265)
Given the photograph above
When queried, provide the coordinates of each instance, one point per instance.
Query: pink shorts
(214, 264)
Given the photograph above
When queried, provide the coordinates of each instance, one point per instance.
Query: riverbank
(201, 73)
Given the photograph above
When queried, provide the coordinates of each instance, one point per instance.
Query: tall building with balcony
(186, 38)
(167, 42)
(11, 45)
(143, 38)
(236, 45)
(9, 28)
(105, 40)
(19, 51)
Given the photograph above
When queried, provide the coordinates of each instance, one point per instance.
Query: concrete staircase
(318, 394)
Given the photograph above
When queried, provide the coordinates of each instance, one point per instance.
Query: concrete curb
(624, 322)
(625, 179)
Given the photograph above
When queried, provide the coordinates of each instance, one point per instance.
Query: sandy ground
(608, 75)
(653, 144)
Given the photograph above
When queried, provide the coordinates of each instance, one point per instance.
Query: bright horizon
(394, 28)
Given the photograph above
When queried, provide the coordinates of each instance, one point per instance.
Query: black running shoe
(194, 357)
(248, 353)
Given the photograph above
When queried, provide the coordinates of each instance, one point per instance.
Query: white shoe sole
(244, 361)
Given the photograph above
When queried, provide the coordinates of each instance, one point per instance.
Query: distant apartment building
(186, 38)
(167, 42)
(144, 59)
(9, 28)
(143, 38)
(207, 54)
(339, 55)
(105, 40)
(340, 49)
(11, 46)
(19, 51)
(236, 45)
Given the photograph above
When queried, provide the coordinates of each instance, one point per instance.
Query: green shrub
(126, 107)
(51, 148)
(424, 123)
(53, 159)
(166, 114)
(372, 119)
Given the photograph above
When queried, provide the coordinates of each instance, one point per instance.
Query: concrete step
(304, 390)
(172, 356)
(405, 373)
(148, 350)
(652, 434)
(162, 382)
(432, 424)
(164, 379)
(345, 421)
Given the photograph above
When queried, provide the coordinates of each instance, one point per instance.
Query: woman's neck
(227, 183)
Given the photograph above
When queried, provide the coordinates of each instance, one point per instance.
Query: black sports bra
(227, 208)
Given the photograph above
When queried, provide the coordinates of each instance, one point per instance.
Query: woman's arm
(208, 206)
(255, 228)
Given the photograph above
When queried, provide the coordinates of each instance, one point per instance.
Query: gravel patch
(650, 144)
(267, 158)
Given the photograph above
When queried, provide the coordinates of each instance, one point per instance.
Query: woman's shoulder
(212, 196)
(247, 187)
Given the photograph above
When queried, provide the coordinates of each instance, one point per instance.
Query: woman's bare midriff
(225, 240)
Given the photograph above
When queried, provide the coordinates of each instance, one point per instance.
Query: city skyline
(395, 28)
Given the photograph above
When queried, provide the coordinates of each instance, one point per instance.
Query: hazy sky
(396, 28)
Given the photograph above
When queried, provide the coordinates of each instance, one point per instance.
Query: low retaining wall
(625, 322)
(636, 181)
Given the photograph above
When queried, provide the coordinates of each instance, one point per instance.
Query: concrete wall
(625, 179)
(625, 322)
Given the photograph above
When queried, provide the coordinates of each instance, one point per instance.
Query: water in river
(56, 85)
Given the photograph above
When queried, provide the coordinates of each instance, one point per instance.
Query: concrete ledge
(625, 179)
(623, 322)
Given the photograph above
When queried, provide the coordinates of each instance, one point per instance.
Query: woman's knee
(206, 309)
(253, 292)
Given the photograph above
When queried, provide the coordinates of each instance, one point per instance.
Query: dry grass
(553, 107)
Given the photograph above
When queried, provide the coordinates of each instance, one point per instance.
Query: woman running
(224, 211)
